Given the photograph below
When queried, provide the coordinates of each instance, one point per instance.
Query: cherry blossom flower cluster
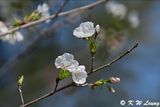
(120, 10)
(67, 62)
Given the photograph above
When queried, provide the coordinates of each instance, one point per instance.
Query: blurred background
(34, 57)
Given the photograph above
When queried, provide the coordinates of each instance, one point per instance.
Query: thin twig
(20, 93)
(47, 95)
(53, 16)
(83, 85)
(116, 59)
(72, 84)
(57, 82)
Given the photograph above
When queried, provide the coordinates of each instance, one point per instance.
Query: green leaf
(64, 74)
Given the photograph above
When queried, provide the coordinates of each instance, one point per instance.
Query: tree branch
(47, 95)
(116, 59)
(57, 82)
(72, 84)
(53, 16)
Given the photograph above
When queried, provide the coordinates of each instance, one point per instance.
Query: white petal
(72, 66)
(39, 8)
(3, 27)
(19, 36)
(79, 75)
(81, 81)
(68, 56)
(66, 61)
(81, 68)
(44, 10)
(78, 33)
(88, 28)
(45, 7)
(58, 62)
(84, 30)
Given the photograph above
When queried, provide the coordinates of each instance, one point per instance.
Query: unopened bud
(20, 80)
(114, 80)
(111, 89)
(97, 28)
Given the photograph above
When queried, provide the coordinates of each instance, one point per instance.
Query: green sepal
(35, 15)
(93, 47)
(63, 74)
(99, 83)
(17, 22)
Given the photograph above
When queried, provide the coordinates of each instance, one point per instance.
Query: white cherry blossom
(44, 10)
(11, 38)
(3, 27)
(84, 30)
(66, 61)
(116, 9)
(133, 19)
(79, 75)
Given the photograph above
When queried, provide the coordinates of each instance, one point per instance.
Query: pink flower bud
(114, 80)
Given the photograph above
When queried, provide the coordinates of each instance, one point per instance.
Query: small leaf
(64, 74)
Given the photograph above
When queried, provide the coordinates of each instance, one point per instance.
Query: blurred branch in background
(29, 47)
(73, 84)
(53, 16)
